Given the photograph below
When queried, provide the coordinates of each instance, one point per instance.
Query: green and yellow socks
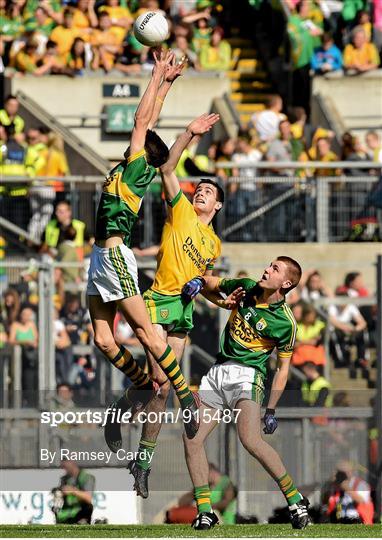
(125, 362)
(289, 490)
(145, 453)
(170, 366)
(202, 496)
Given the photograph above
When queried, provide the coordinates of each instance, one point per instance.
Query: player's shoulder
(287, 317)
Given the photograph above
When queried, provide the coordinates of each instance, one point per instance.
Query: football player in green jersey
(113, 275)
(261, 322)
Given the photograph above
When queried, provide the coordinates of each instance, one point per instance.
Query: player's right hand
(192, 288)
(203, 123)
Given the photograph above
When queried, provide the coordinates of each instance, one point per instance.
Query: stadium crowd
(77, 37)
(72, 38)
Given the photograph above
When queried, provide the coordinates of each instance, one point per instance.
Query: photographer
(349, 499)
(72, 502)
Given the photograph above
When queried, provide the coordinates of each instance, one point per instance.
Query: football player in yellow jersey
(189, 247)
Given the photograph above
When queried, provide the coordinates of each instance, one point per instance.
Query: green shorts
(169, 311)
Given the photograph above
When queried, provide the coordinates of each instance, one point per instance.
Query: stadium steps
(358, 389)
(250, 86)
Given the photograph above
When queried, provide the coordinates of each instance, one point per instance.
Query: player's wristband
(270, 411)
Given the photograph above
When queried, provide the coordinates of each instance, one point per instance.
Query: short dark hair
(50, 44)
(294, 270)
(10, 97)
(60, 385)
(350, 277)
(219, 189)
(157, 152)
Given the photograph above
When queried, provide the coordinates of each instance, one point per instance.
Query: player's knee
(104, 344)
(146, 336)
(252, 445)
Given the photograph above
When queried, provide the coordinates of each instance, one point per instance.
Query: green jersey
(254, 330)
(122, 195)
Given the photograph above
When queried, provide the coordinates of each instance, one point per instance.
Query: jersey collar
(252, 295)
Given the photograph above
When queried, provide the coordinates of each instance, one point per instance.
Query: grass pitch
(185, 531)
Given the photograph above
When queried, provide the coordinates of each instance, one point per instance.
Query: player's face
(204, 200)
(275, 276)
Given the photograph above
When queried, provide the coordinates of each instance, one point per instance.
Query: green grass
(185, 531)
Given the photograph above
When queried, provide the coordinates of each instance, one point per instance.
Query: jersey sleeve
(227, 286)
(287, 338)
(138, 174)
(180, 209)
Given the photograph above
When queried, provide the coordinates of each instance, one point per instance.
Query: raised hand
(234, 299)
(203, 123)
(163, 58)
(174, 69)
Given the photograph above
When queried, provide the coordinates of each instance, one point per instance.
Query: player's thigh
(177, 342)
(208, 420)
(248, 421)
(102, 315)
(135, 312)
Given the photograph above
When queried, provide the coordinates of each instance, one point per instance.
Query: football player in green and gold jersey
(112, 280)
(260, 323)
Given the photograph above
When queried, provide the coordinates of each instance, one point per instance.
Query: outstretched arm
(173, 71)
(146, 106)
(199, 126)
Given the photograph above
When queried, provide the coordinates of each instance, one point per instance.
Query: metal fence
(35, 387)
(257, 209)
(311, 443)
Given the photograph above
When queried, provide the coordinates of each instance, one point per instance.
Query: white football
(151, 28)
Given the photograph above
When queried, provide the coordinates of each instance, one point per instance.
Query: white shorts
(113, 273)
(226, 383)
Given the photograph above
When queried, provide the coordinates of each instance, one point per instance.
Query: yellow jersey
(188, 248)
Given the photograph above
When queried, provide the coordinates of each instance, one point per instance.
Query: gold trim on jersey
(290, 317)
(114, 186)
(246, 336)
(136, 155)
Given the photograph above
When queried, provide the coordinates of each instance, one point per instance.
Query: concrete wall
(358, 99)
(62, 96)
(332, 260)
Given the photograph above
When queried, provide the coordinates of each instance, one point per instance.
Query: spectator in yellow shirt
(217, 55)
(84, 16)
(27, 58)
(65, 34)
(323, 152)
(121, 18)
(106, 41)
(9, 115)
(361, 55)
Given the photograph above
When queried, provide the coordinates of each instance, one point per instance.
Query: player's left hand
(203, 123)
(163, 58)
(234, 299)
(174, 69)
(192, 288)
(270, 422)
